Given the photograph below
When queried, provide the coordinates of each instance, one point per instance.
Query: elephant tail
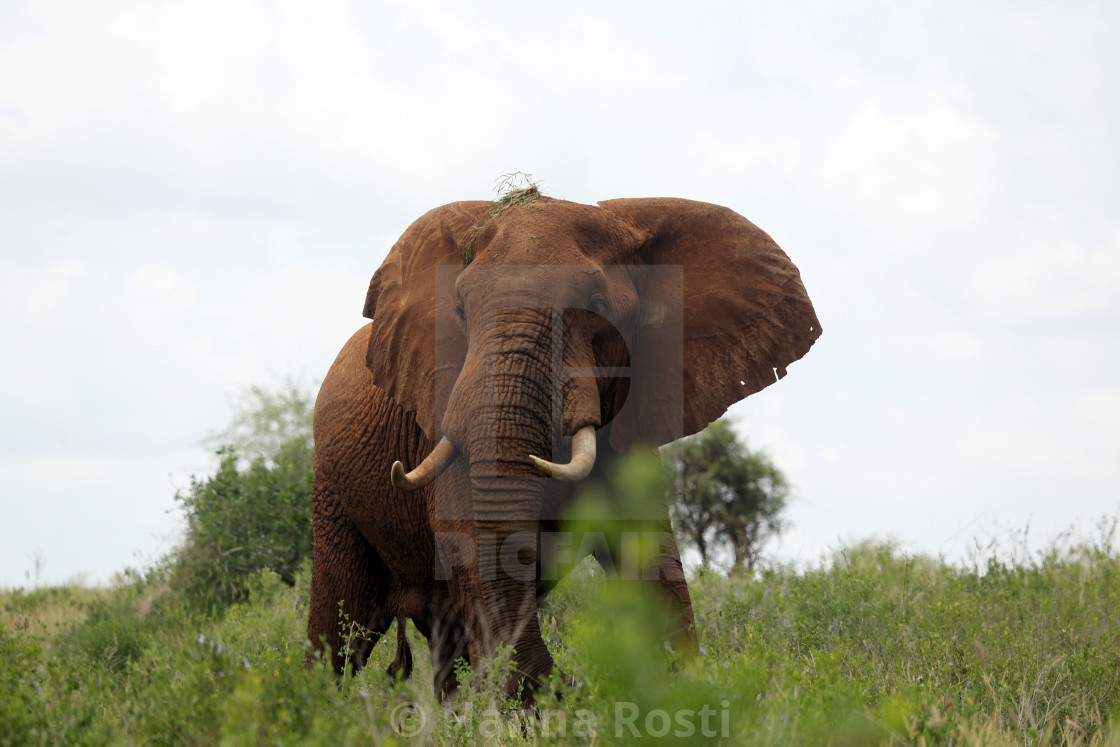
(402, 663)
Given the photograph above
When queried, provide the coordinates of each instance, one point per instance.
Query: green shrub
(21, 653)
(242, 521)
(111, 636)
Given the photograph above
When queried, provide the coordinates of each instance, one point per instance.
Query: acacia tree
(722, 496)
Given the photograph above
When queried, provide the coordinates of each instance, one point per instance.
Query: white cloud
(716, 157)
(164, 286)
(1012, 442)
(908, 164)
(68, 509)
(44, 295)
(1098, 411)
(1094, 417)
(944, 352)
(1057, 280)
(1069, 444)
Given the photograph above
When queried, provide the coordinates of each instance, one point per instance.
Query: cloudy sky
(194, 195)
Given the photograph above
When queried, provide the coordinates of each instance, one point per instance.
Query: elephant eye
(599, 304)
(459, 310)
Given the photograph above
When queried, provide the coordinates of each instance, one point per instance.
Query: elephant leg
(646, 553)
(671, 584)
(447, 642)
(349, 584)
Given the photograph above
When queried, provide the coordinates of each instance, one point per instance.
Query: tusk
(583, 458)
(428, 470)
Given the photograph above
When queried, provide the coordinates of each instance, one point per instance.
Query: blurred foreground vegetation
(875, 647)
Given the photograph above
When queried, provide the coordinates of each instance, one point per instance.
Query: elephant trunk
(507, 496)
(523, 403)
(515, 398)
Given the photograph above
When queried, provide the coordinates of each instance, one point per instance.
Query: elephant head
(514, 329)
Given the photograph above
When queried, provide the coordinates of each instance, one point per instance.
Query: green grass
(875, 648)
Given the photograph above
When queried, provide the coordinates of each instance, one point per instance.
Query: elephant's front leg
(645, 552)
(667, 573)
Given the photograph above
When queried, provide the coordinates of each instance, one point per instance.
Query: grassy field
(874, 648)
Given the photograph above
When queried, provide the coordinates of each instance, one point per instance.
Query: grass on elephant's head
(515, 189)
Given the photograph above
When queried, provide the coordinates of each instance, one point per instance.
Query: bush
(21, 653)
(242, 521)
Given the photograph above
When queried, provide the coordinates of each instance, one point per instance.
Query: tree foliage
(723, 497)
(265, 420)
(255, 511)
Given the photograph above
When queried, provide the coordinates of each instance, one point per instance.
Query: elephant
(517, 348)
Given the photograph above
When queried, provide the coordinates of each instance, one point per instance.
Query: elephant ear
(724, 314)
(415, 349)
